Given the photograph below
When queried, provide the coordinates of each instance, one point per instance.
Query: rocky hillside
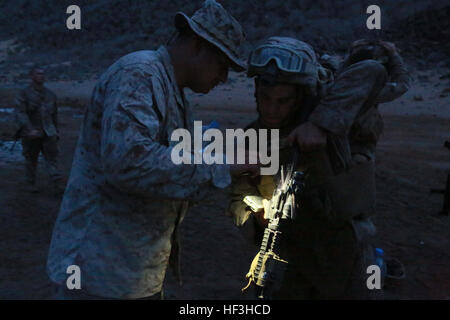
(111, 28)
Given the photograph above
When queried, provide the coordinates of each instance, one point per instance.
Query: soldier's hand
(262, 215)
(33, 134)
(266, 210)
(359, 43)
(390, 47)
(309, 137)
(247, 168)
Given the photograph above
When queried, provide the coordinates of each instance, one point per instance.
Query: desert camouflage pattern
(125, 198)
(370, 126)
(330, 241)
(358, 126)
(399, 81)
(343, 107)
(399, 78)
(214, 24)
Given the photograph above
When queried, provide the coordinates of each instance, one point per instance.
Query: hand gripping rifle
(268, 267)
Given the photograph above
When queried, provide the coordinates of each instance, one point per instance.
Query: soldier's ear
(198, 43)
(186, 37)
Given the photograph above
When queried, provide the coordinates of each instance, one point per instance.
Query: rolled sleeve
(399, 81)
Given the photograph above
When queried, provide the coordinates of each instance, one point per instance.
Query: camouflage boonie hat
(214, 24)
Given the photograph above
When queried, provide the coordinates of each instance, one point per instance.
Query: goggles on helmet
(287, 60)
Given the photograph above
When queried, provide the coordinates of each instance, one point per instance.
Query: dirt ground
(411, 159)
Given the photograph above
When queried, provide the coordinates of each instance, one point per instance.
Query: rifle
(268, 266)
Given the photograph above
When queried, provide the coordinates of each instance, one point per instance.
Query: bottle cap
(379, 252)
(212, 125)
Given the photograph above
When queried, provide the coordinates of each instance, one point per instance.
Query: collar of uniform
(165, 58)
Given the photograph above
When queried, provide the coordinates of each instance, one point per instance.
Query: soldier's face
(276, 103)
(210, 67)
(38, 76)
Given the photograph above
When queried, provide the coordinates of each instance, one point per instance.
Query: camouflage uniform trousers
(298, 286)
(326, 259)
(49, 148)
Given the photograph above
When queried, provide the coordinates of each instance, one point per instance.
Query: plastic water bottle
(379, 261)
(212, 125)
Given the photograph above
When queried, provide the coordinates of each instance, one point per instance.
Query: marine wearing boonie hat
(214, 24)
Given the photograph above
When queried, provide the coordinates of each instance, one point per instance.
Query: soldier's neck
(177, 58)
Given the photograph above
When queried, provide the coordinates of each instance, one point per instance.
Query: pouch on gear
(368, 127)
(352, 192)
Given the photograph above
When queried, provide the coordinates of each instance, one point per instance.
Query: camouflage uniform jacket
(37, 109)
(349, 97)
(368, 126)
(324, 243)
(125, 196)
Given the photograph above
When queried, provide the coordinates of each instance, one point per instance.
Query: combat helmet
(286, 60)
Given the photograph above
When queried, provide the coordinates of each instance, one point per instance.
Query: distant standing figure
(37, 117)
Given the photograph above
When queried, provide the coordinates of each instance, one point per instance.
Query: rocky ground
(111, 28)
(411, 158)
